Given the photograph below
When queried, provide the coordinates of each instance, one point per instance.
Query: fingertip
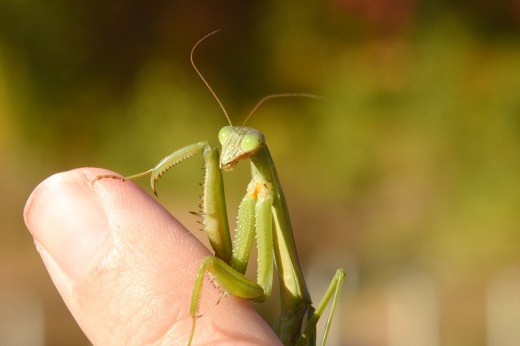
(64, 216)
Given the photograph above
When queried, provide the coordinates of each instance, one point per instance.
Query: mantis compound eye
(223, 134)
(252, 142)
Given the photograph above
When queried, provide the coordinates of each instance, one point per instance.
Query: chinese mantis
(263, 215)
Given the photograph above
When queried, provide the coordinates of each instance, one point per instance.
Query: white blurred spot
(413, 311)
(21, 318)
(503, 309)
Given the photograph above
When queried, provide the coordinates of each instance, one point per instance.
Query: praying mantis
(263, 215)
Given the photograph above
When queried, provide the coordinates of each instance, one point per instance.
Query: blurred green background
(408, 176)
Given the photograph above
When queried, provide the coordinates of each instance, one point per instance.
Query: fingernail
(65, 217)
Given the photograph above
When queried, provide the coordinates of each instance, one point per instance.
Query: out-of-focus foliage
(410, 165)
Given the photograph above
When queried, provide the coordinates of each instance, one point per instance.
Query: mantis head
(238, 143)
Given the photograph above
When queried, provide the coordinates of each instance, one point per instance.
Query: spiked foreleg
(213, 204)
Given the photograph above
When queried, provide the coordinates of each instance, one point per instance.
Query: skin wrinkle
(142, 312)
(87, 288)
(163, 337)
(151, 303)
(221, 335)
(131, 324)
(213, 309)
(175, 311)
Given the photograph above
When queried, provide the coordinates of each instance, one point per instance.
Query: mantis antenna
(204, 79)
(265, 98)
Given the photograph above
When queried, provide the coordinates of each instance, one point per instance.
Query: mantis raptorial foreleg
(213, 204)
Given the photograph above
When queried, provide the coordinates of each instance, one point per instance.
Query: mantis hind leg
(332, 293)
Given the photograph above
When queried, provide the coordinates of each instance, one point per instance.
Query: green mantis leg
(213, 204)
(232, 281)
(333, 292)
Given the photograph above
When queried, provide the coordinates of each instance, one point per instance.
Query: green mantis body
(263, 216)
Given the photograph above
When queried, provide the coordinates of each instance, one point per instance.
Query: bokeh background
(408, 176)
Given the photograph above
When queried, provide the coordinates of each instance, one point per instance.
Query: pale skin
(263, 216)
